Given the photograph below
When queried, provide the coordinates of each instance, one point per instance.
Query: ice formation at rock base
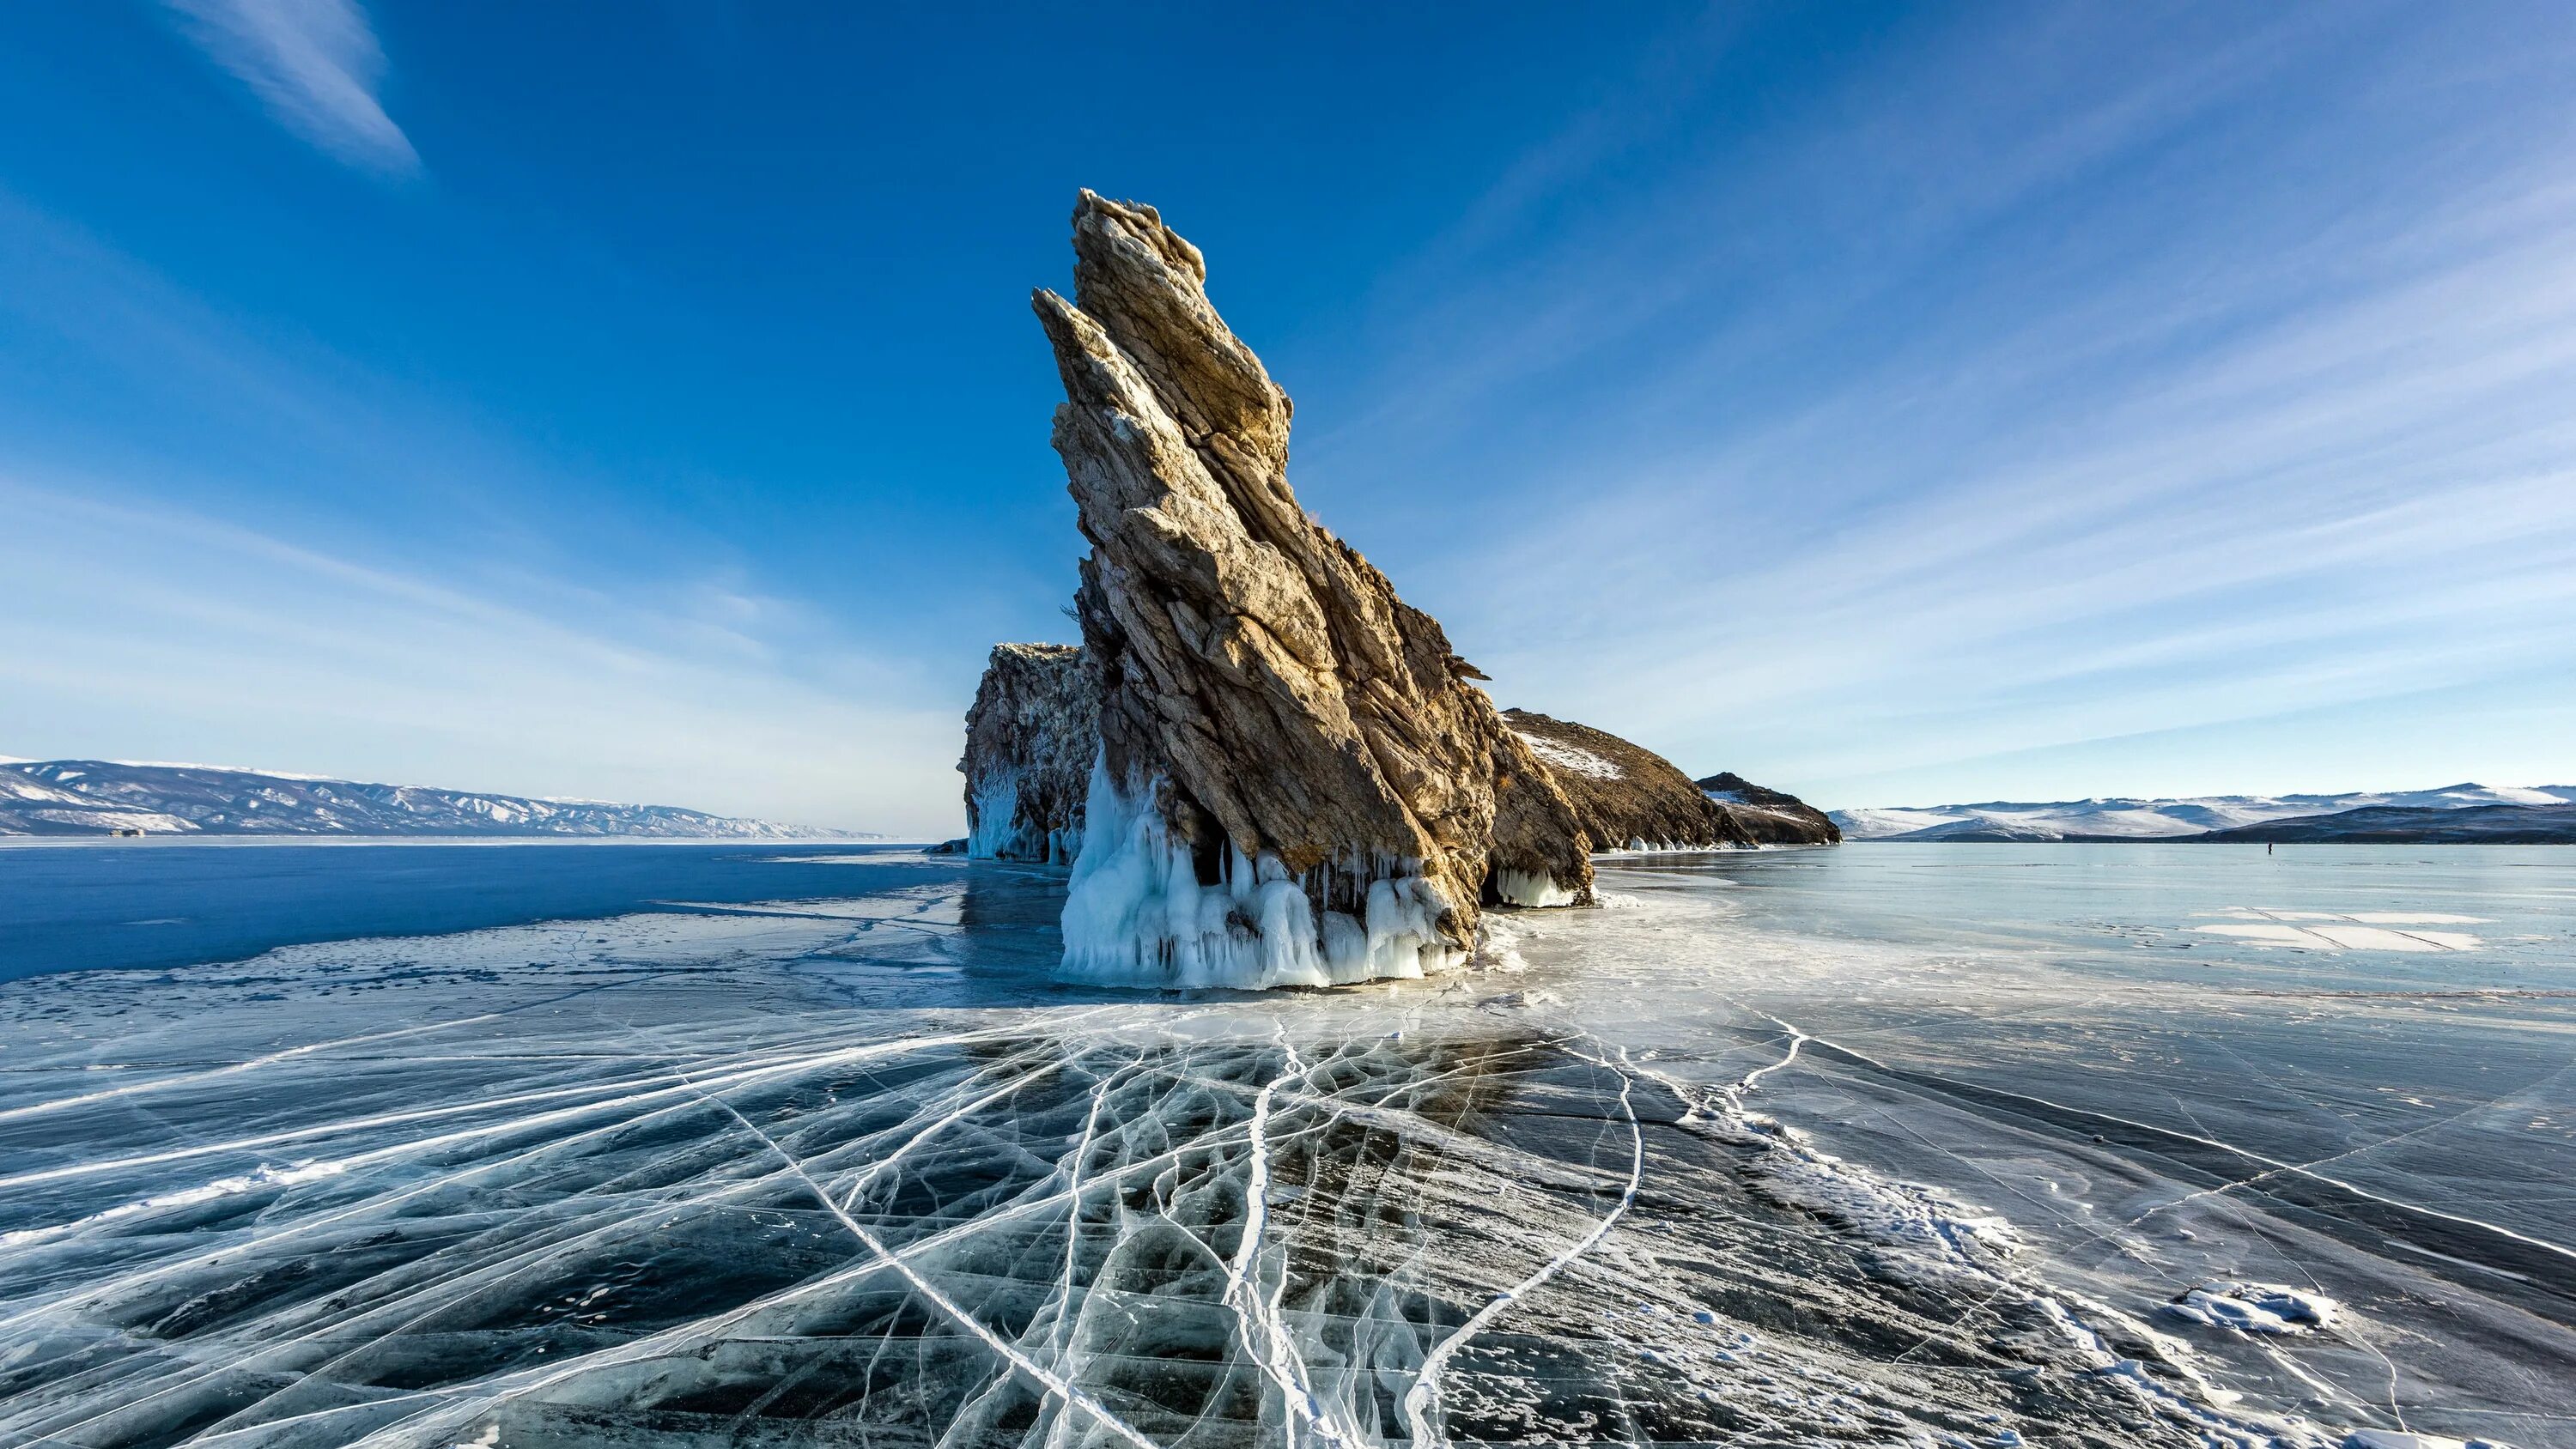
(1030, 737)
(1137, 914)
(1532, 889)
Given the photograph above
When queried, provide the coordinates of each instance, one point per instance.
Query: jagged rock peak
(1626, 796)
(1030, 739)
(1297, 784)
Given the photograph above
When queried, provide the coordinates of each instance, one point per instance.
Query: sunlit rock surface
(1030, 738)
(1772, 817)
(1626, 796)
(1298, 783)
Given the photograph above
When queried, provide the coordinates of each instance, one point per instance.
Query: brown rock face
(1030, 739)
(1773, 817)
(1298, 783)
(1626, 796)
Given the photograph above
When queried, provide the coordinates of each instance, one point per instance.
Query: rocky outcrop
(1298, 782)
(1625, 796)
(1773, 817)
(1030, 739)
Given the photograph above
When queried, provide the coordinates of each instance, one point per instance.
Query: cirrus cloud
(315, 64)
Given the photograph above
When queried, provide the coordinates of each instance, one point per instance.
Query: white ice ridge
(1137, 914)
(2255, 1308)
(263, 1176)
(1530, 888)
(997, 800)
(2400, 1439)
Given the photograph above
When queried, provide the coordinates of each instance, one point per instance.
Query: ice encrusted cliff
(1627, 796)
(1030, 739)
(1297, 782)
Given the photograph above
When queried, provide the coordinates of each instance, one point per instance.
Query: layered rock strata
(1625, 796)
(1030, 739)
(1772, 817)
(1297, 781)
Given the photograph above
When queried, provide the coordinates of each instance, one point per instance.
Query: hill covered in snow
(2404, 825)
(2121, 818)
(105, 797)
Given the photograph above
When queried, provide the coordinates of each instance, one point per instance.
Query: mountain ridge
(111, 797)
(2121, 817)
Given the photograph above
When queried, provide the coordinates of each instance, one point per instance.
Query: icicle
(1136, 913)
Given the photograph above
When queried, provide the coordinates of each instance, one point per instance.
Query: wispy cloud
(154, 632)
(316, 65)
(304, 565)
(2101, 393)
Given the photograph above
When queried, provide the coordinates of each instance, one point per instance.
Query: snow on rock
(1030, 739)
(1265, 698)
(1566, 758)
(1626, 796)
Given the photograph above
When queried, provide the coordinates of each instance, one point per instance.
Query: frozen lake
(680, 1145)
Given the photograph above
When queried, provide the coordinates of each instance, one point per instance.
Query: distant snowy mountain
(2134, 819)
(104, 797)
(2399, 825)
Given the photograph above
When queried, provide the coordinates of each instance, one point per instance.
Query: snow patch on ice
(2400, 1439)
(1498, 946)
(2348, 937)
(222, 1187)
(2255, 1308)
(1932, 1236)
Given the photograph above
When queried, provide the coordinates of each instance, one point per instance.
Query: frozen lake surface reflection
(1904, 1145)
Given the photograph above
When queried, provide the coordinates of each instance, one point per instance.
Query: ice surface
(1700, 1169)
(2396, 1439)
(2360, 931)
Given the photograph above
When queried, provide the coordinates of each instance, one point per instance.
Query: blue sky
(1897, 404)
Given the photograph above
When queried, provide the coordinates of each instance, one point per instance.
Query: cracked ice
(834, 1172)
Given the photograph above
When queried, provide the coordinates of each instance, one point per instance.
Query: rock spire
(1298, 782)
